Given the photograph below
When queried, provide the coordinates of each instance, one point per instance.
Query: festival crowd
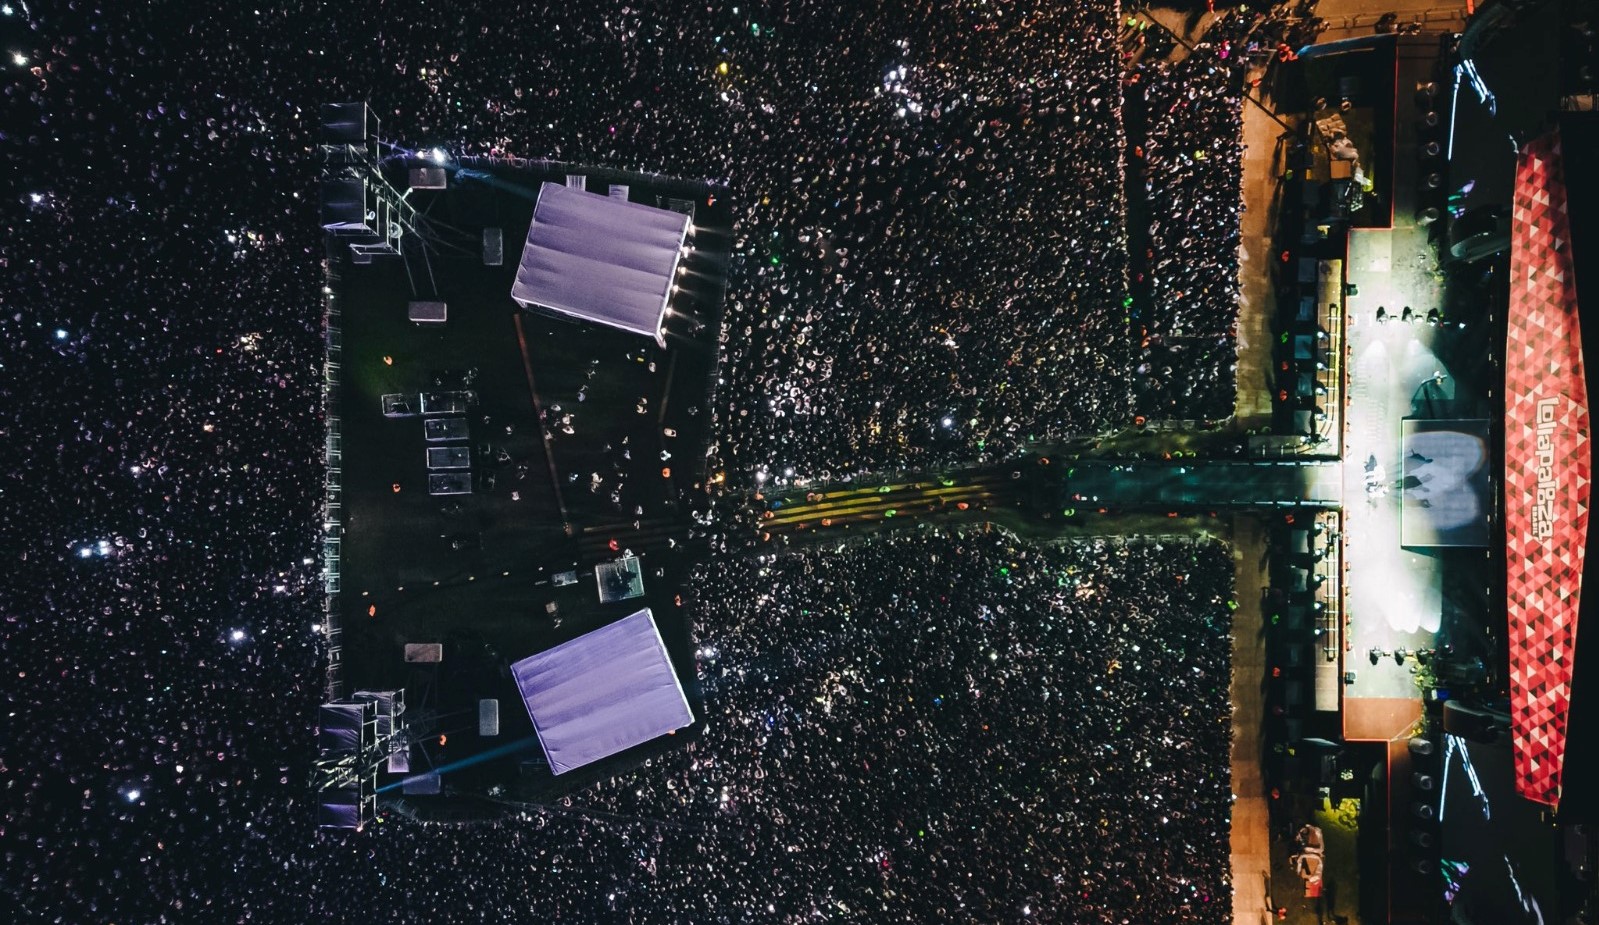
(1192, 160)
(959, 262)
(895, 724)
(941, 726)
(930, 241)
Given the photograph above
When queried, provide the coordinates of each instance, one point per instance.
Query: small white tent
(601, 259)
(603, 692)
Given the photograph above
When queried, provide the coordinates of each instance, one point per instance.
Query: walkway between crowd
(1204, 484)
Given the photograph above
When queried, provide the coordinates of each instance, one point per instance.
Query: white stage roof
(603, 692)
(600, 259)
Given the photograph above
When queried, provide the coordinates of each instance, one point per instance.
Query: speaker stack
(1423, 799)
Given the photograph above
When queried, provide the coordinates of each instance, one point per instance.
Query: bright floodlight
(61, 334)
(238, 635)
(85, 552)
(438, 155)
(133, 795)
(19, 58)
(949, 422)
(36, 197)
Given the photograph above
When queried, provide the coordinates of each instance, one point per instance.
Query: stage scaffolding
(1330, 620)
(332, 484)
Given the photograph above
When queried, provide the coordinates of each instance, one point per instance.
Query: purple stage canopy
(602, 693)
(600, 259)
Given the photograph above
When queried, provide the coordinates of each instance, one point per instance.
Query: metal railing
(332, 492)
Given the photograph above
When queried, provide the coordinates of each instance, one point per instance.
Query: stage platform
(470, 568)
(1400, 379)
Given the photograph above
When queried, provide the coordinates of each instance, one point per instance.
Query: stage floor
(1393, 596)
(477, 572)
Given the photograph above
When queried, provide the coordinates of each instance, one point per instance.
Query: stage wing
(600, 259)
(602, 693)
(1547, 470)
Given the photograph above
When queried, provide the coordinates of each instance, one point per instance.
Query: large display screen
(1547, 467)
(1497, 852)
(1443, 485)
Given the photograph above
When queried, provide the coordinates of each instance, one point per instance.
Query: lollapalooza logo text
(1543, 509)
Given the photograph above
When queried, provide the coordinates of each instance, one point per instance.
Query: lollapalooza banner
(1547, 467)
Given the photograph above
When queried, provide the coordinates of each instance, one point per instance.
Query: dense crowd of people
(930, 255)
(1193, 163)
(161, 339)
(900, 276)
(891, 720)
(938, 275)
(941, 726)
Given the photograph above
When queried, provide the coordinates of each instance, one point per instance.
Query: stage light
(61, 334)
(438, 155)
(19, 58)
(133, 795)
(85, 552)
(949, 422)
(237, 636)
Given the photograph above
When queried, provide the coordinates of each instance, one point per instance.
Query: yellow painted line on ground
(912, 507)
(793, 498)
(789, 515)
(785, 513)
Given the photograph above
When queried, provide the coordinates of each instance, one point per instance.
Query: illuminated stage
(1394, 597)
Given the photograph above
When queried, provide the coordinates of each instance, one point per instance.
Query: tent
(603, 692)
(600, 259)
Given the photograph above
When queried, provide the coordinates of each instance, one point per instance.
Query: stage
(1418, 499)
(573, 445)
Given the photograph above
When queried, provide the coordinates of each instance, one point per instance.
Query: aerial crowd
(930, 266)
(947, 725)
(1191, 163)
(930, 262)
